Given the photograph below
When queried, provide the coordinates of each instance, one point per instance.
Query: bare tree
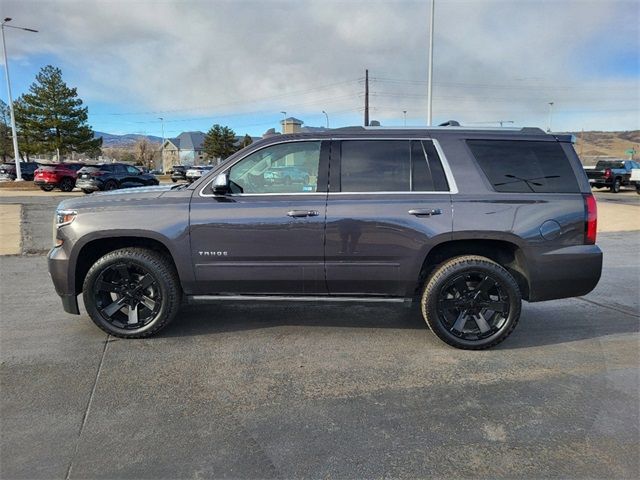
(144, 153)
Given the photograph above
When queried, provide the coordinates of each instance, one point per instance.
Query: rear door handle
(425, 212)
(302, 213)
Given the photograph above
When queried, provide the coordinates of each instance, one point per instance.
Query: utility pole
(284, 121)
(550, 116)
(366, 98)
(430, 80)
(326, 115)
(404, 113)
(16, 152)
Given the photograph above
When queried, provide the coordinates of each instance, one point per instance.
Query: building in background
(185, 149)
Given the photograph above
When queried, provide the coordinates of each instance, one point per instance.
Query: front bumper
(567, 272)
(88, 185)
(58, 262)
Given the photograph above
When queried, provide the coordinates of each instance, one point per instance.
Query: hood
(113, 198)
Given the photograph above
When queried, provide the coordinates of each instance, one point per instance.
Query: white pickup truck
(635, 179)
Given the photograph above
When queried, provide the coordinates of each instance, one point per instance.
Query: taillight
(591, 219)
(607, 173)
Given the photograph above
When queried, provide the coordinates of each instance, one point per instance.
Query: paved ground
(269, 391)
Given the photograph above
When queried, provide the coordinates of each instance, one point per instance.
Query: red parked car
(62, 176)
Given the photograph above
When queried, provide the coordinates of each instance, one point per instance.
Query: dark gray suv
(465, 222)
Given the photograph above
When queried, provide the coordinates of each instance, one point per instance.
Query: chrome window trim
(453, 188)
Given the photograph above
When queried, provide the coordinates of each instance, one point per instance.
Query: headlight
(65, 217)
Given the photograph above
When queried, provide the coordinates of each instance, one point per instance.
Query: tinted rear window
(391, 166)
(525, 166)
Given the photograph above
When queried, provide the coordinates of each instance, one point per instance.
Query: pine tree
(53, 118)
(246, 141)
(220, 142)
(6, 147)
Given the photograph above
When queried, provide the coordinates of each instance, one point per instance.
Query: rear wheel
(66, 184)
(132, 292)
(87, 191)
(110, 185)
(46, 188)
(616, 185)
(471, 302)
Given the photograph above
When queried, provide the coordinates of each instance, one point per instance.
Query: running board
(279, 298)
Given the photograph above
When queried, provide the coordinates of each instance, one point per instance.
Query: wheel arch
(505, 252)
(91, 250)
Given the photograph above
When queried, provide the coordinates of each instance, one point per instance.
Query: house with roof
(185, 149)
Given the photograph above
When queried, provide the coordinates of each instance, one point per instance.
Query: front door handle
(425, 212)
(302, 213)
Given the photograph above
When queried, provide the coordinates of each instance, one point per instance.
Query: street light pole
(430, 80)
(550, 116)
(162, 145)
(404, 113)
(326, 115)
(14, 133)
(284, 121)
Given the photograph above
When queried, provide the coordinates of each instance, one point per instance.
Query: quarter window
(525, 166)
(283, 168)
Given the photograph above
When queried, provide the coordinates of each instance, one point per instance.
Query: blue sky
(241, 63)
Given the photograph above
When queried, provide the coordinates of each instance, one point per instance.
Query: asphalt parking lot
(289, 391)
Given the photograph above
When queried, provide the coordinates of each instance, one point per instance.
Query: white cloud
(495, 60)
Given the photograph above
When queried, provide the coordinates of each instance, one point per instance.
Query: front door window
(283, 168)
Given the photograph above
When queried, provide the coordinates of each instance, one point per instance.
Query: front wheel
(132, 292)
(471, 302)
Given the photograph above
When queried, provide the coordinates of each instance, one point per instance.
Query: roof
(291, 120)
(188, 140)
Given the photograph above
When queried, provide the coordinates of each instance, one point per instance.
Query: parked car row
(89, 178)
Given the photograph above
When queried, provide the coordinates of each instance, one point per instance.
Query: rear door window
(525, 166)
(390, 166)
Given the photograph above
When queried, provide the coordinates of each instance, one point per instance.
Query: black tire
(615, 186)
(46, 188)
(174, 180)
(132, 277)
(449, 295)
(87, 191)
(66, 184)
(110, 185)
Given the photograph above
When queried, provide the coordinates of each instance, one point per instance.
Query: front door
(267, 235)
(389, 203)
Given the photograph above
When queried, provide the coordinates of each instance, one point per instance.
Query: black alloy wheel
(132, 293)
(66, 184)
(110, 185)
(471, 302)
(616, 186)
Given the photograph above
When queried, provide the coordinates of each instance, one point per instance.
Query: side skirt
(195, 299)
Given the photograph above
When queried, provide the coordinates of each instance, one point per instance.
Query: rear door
(389, 203)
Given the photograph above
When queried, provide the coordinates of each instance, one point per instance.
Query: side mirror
(220, 185)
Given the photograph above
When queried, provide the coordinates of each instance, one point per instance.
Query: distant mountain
(124, 141)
